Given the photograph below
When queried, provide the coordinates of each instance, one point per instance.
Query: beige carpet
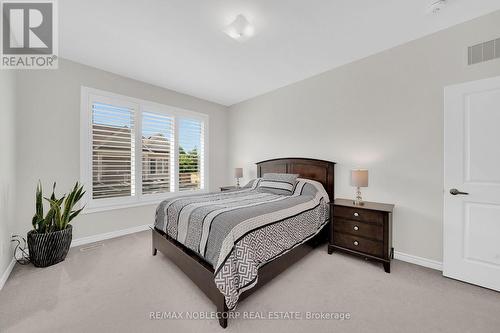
(113, 288)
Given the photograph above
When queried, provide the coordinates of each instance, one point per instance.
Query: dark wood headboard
(319, 170)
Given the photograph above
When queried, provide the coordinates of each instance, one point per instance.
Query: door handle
(454, 191)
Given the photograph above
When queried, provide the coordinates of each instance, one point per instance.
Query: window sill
(90, 209)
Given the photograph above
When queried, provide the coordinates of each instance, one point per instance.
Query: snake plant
(60, 213)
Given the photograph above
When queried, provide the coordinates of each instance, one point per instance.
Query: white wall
(7, 166)
(383, 113)
(48, 148)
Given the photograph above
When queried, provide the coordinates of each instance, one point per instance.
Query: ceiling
(179, 44)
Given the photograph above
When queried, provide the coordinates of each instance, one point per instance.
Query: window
(112, 153)
(136, 152)
(157, 150)
(190, 149)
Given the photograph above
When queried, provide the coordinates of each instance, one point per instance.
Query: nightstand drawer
(357, 214)
(359, 244)
(369, 230)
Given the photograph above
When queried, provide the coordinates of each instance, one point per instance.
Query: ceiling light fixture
(240, 29)
(437, 6)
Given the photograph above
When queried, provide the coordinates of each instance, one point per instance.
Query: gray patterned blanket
(238, 231)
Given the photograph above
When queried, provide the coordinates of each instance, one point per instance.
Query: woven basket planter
(49, 248)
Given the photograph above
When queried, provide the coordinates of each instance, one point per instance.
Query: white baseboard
(7, 272)
(109, 235)
(113, 234)
(82, 241)
(418, 260)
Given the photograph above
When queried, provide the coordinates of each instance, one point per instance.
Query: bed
(231, 243)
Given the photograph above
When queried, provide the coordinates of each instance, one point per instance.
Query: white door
(472, 165)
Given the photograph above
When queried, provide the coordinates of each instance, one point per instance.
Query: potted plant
(50, 239)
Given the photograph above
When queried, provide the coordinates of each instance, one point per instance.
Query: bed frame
(202, 274)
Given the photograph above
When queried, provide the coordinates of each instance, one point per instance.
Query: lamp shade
(359, 178)
(238, 172)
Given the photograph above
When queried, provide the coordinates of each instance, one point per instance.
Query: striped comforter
(239, 231)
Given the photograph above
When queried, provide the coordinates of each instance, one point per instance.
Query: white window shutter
(157, 152)
(113, 151)
(137, 152)
(191, 154)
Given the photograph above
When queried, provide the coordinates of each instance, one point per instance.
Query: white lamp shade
(359, 178)
(238, 172)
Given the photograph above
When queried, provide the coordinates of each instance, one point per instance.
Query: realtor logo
(29, 34)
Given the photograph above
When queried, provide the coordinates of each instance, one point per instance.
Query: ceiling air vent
(484, 51)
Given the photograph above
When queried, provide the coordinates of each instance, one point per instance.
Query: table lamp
(238, 173)
(359, 178)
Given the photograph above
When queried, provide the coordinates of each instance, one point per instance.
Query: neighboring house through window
(135, 152)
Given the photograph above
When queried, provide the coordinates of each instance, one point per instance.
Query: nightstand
(228, 188)
(362, 230)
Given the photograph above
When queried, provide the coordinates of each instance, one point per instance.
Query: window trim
(139, 106)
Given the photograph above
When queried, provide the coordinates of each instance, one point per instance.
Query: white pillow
(278, 183)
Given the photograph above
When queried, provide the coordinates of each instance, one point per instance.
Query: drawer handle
(356, 243)
(356, 228)
(356, 214)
